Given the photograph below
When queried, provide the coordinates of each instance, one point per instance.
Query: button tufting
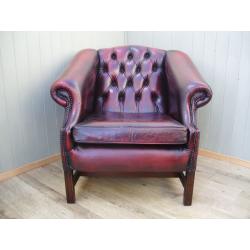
(154, 96)
(113, 56)
(138, 69)
(113, 81)
(121, 96)
(105, 67)
(130, 82)
(155, 67)
(147, 55)
(146, 82)
(104, 96)
(130, 56)
(122, 68)
(138, 96)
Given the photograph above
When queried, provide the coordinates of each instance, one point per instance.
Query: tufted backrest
(131, 79)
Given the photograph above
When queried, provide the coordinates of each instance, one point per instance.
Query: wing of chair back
(187, 92)
(74, 90)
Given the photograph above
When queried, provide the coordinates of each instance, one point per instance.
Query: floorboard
(222, 190)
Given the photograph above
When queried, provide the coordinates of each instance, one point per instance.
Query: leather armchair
(130, 111)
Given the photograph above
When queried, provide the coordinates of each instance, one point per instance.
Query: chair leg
(69, 186)
(188, 188)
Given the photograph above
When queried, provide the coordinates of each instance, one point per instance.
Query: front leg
(188, 188)
(69, 186)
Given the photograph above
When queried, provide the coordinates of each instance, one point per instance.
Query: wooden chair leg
(188, 188)
(69, 186)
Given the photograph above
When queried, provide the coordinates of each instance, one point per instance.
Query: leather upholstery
(74, 90)
(179, 88)
(130, 128)
(131, 79)
(137, 98)
(187, 90)
(128, 159)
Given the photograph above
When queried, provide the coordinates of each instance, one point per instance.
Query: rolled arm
(74, 89)
(187, 89)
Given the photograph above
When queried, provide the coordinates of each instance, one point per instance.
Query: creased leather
(74, 90)
(125, 159)
(130, 79)
(124, 128)
(187, 91)
(186, 88)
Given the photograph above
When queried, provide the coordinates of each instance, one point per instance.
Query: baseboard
(221, 157)
(27, 167)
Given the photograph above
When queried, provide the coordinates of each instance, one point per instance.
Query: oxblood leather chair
(130, 111)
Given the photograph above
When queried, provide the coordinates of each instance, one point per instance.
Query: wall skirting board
(43, 162)
(27, 167)
(222, 157)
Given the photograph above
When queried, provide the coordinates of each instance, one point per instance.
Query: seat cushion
(128, 128)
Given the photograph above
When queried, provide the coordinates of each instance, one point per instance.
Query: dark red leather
(131, 79)
(99, 159)
(130, 128)
(187, 90)
(132, 82)
(74, 90)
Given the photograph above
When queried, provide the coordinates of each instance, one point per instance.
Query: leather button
(113, 81)
(154, 67)
(154, 96)
(138, 69)
(146, 55)
(104, 96)
(138, 96)
(113, 56)
(130, 56)
(105, 67)
(130, 82)
(146, 82)
(122, 68)
(121, 96)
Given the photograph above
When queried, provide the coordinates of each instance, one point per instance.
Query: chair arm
(74, 90)
(187, 89)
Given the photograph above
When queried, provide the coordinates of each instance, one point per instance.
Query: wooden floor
(222, 190)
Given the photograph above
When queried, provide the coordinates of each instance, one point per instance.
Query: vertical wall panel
(207, 71)
(36, 95)
(230, 94)
(183, 41)
(240, 128)
(223, 58)
(198, 49)
(6, 153)
(12, 90)
(22, 70)
(162, 40)
(106, 39)
(46, 67)
(219, 85)
(29, 63)
(140, 38)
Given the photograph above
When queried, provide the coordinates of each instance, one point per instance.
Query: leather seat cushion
(128, 128)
